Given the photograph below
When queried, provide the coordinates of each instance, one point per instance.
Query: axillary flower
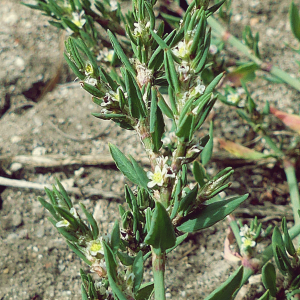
(182, 50)
(78, 19)
(95, 246)
(161, 171)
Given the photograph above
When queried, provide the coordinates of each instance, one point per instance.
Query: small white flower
(106, 55)
(246, 242)
(244, 230)
(182, 50)
(138, 30)
(63, 223)
(183, 68)
(78, 19)
(199, 88)
(233, 98)
(95, 246)
(157, 178)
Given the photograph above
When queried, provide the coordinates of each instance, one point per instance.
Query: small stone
(61, 267)
(40, 232)
(183, 293)
(35, 249)
(168, 295)
(14, 167)
(6, 271)
(235, 185)
(20, 63)
(15, 139)
(79, 172)
(68, 183)
(39, 151)
(17, 219)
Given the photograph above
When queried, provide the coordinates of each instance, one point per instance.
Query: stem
(158, 264)
(290, 173)
(227, 37)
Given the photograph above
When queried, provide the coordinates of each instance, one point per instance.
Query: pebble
(17, 219)
(6, 271)
(40, 231)
(20, 63)
(79, 172)
(15, 139)
(14, 167)
(39, 151)
(35, 249)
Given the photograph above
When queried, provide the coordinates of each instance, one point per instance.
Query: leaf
(125, 259)
(208, 149)
(211, 214)
(135, 101)
(188, 200)
(145, 292)
(199, 173)
(140, 173)
(227, 289)
(265, 296)
(287, 239)
(92, 89)
(122, 56)
(65, 214)
(161, 235)
(269, 278)
(241, 151)
(91, 220)
(84, 293)
(75, 249)
(138, 270)
(245, 72)
(179, 240)
(64, 193)
(290, 120)
(111, 272)
(115, 237)
(50, 208)
(126, 167)
(295, 20)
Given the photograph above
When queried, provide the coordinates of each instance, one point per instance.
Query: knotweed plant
(139, 83)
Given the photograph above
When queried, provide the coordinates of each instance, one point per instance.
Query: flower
(140, 28)
(182, 50)
(91, 81)
(106, 55)
(247, 242)
(199, 88)
(78, 19)
(233, 98)
(157, 178)
(95, 246)
(113, 5)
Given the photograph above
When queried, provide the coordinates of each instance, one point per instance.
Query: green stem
(227, 37)
(267, 255)
(236, 231)
(290, 173)
(158, 265)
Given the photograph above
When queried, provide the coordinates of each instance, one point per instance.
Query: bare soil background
(39, 119)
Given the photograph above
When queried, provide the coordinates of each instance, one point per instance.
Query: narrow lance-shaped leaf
(295, 20)
(287, 239)
(211, 214)
(206, 153)
(91, 220)
(269, 278)
(138, 270)
(120, 52)
(161, 235)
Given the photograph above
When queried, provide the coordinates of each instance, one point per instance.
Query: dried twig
(85, 192)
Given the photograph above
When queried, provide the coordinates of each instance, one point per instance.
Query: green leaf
(213, 84)
(269, 278)
(145, 292)
(111, 272)
(164, 107)
(227, 289)
(277, 243)
(265, 296)
(75, 249)
(122, 56)
(295, 20)
(161, 235)
(206, 153)
(140, 173)
(211, 214)
(50, 208)
(84, 293)
(138, 270)
(171, 73)
(92, 89)
(185, 127)
(126, 167)
(65, 214)
(159, 41)
(199, 173)
(91, 220)
(115, 237)
(125, 259)
(135, 101)
(188, 200)
(199, 34)
(64, 193)
(287, 239)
